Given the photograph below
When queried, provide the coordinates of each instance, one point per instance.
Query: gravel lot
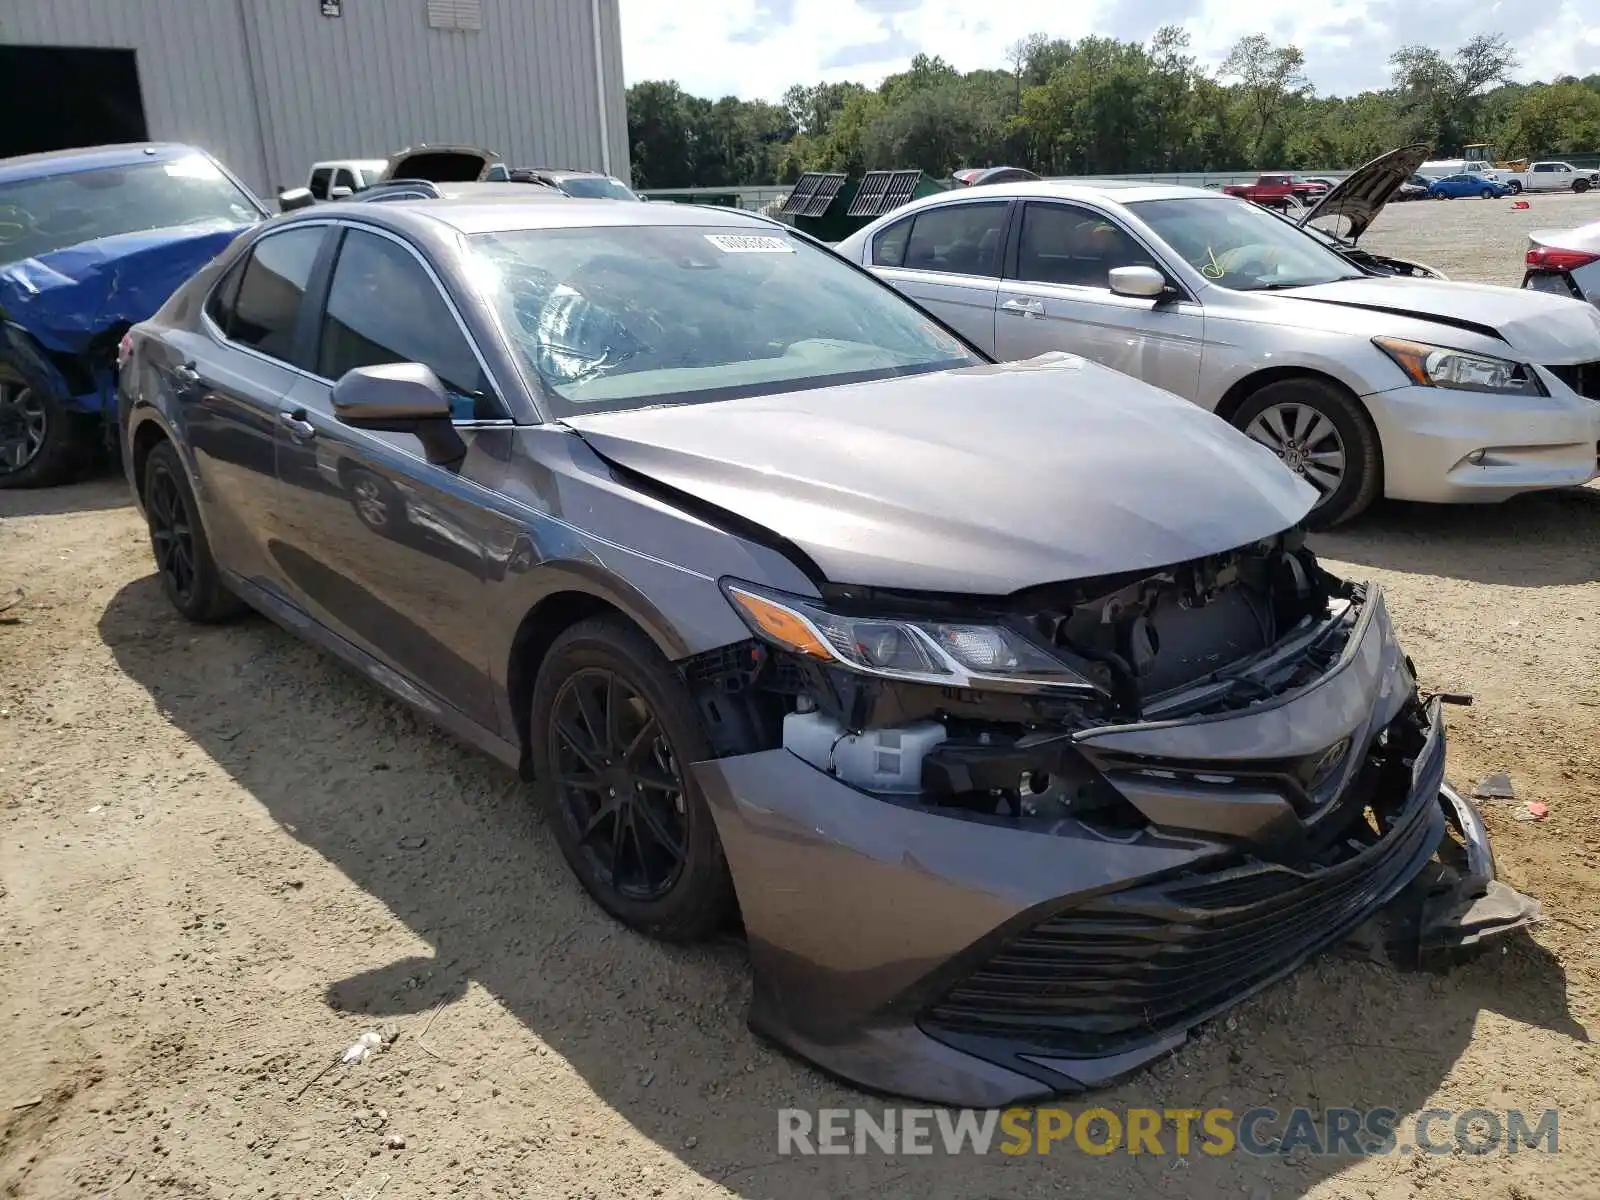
(1478, 240)
(223, 858)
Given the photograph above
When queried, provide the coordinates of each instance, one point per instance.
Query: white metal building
(271, 86)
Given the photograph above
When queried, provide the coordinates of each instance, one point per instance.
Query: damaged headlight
(1442, 367)
(951, 653)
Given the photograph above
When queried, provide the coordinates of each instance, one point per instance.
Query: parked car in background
(585, 185)
(91, 241)
(1441, 168)
(1418, 389)
(338, 178)
(426, 189)
(1276, 191)
(1414, 188)
(1456, 187)
(799, 611)
(1565, 262)
(978, 176)
(1551, 177)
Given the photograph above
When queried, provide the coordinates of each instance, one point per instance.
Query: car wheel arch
(541, 625)
(147, 435)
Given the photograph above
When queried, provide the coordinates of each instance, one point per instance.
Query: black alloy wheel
(171, 534)
(613, 730)
(620, 784)
(41, 442)
(24, 425)
(188, 574)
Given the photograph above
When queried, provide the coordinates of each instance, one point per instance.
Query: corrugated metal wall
(270, 86)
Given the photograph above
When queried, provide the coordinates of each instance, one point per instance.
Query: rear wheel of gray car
(613, 731)
(1515, 187)
(1321, 434)
(41, 443)
(188, 573)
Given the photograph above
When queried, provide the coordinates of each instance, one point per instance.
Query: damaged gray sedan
(1003, 704)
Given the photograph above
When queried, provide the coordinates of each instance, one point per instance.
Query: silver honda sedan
(1413, 388)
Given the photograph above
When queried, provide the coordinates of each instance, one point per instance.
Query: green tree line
(1101, 106)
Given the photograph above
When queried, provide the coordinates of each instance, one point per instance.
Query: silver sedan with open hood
(1365, 379)
(1004, 705)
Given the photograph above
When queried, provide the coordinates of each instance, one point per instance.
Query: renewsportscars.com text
(1368, 1132)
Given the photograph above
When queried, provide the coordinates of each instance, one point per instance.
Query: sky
(755, 49)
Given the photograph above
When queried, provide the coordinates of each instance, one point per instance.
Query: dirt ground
(223, 858)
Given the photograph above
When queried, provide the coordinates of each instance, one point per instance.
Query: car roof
(1118, 191)
(504, 212)
(373, 164)
(90, 158)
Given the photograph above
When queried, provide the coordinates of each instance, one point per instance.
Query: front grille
(1111, 972)
(1583, 378)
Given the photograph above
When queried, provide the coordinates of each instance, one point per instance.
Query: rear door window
(960, 239)
(266, 310)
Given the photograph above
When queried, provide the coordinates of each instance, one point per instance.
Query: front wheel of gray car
(612, 733)
(1580, 186)
(1322, 434)
(1514, 187)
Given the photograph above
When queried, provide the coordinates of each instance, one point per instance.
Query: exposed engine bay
(1210, 636)
(1158, 737)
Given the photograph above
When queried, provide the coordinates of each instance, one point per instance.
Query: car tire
(188, 572)
(1515, 187)
(1486, 193)
(42, 443)
(1580, 186)
(1292, 406)
(605, 671)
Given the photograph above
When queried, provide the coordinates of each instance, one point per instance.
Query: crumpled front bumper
(973, 961)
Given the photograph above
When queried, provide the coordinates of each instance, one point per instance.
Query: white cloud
(757, 48)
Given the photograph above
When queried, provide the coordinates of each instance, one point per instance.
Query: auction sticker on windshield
(747, 243)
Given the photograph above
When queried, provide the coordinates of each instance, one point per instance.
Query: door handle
(297, 425)
(186, 374)
(1024, 306)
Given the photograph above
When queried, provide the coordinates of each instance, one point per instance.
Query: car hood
(441, 164)
(68, 297)
(1543, 328)
(1361, 195)
(982, 480)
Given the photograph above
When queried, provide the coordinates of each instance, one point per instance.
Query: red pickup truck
(1277, 191)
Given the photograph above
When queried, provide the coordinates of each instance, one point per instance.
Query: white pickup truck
(1550, 177)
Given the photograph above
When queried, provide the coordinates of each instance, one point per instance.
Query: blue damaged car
(93, 241)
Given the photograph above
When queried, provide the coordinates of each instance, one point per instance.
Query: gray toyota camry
(1003, 705)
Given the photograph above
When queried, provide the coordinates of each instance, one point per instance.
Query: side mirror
(401, 398)
(340, 193)
(1142, 283)
(295, 198)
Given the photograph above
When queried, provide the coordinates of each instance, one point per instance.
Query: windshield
(41, 215)
(622, 317)
(1241, 246)
(595, 187)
